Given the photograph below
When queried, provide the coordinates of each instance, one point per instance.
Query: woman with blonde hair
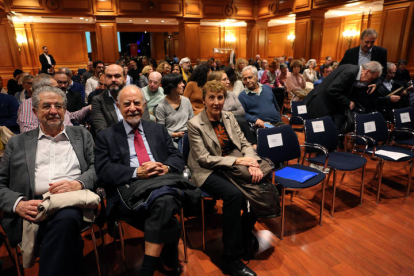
(164, 68)
(143, 79)
(240, 64)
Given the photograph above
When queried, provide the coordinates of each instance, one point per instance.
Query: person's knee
(68, 219)
(236, 197)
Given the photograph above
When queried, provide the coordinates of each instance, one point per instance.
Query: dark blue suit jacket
(112, 156)
(78, 88)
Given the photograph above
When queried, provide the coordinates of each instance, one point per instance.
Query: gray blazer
(17, 172)
(205, 151)
(103, 113)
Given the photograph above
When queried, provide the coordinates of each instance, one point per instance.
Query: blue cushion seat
(343, 161)
(409, 141)
(394, 149)
(297, 185)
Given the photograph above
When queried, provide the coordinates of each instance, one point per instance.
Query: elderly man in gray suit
(51, 158)
(105, 113)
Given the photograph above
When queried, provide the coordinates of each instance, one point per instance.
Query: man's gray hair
(369, 32)
(66, 70)
(129, 87)
(47, 89)
(250, 67)
(311, 60)
(26, 77)
(374, 66)
(390, 65)
(283, 65)
(186, 59)
(42, 80)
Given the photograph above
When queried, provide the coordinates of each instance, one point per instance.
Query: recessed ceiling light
(86, 19)
(130, 20)
(162, 21)
(146, 20)
(145, 31)
(292, 15)
(81, 18)
(362, 7)
(30, 16)
(370, 7)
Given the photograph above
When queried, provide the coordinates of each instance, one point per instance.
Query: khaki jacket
(205, 152)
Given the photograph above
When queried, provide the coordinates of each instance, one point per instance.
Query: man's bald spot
(116, 66)
(155, 75)
(130, 88)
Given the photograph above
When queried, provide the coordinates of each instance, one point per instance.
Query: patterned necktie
(140, 148)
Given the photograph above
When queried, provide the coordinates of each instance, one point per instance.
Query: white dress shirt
(364, 58)
(48, 59)
(118, 112)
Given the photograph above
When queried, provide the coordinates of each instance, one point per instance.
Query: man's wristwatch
(169, 169)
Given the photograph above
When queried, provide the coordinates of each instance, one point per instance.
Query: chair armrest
(321, 148)
(286, 116)
(403, 130)
(362, 137)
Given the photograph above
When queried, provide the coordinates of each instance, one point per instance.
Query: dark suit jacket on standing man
(45, 63)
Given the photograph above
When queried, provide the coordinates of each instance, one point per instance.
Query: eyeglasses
(48, 107)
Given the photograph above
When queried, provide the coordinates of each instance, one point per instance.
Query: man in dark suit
(51, 158)
(74, 99)
(366, 52)
(105, 113)
(136, 150)
(47, 61)
(73, 86)
(332, 96)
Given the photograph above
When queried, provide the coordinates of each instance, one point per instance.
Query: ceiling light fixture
(130, 20)
(162, 21)
(81, 18)
(146, 20)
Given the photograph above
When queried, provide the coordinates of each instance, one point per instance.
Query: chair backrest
(372, 125)
(279, 144)
(321, 131)
(298, 109)
(404, 117)
(186, 147)
(81, 71)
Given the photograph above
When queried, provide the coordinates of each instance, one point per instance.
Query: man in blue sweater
(258, 101)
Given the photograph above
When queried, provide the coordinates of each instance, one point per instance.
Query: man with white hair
(153, 92)
(257, 62)
(258, 101)
(185, 64)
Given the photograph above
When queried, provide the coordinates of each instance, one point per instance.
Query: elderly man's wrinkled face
(391, 72)
(185, 65)
(51, 110)
(154, 82)
(131, 104)
(367, 76)
(28, 86)
(249, 79)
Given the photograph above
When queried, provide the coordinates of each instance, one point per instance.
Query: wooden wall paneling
(331, 39)
(157, 46)
(130, 6)
(288, 47)
(169, 8)
(242, 42)
(10, 57)
(257, 38)
(272, 8)
(25, 55)
(189, 44)
(94, 46)
(375, 21)
(193, 8)
(350, 23)
(301, 47)
(397, 29)
(26, 6)
(77, 6)
(107, 42)
(278, 42)
(302, 5)
(244, 11)
(105, 7)
(2, 6)
(209, 39)
(148, 28)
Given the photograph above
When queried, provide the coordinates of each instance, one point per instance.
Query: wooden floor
(360, 240)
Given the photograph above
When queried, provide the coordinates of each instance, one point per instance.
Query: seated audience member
(174, 110)
(218, 65)
(88, 74)
(198, 62)
(59, 159)
(251, 62)
(289, 61)
(240, 64)
(102, 87)
(310, 74)
(207, 161)
(128, 78)
(93, 82)
(105, 112)
(153, 92)
(236, 86)
(134, 71)
(140, 153)
(73, 87)
(143, 79)
(270, 78)
(153, 64)
(2, 90)
(12, 85)
(212, 64)
(8, 112)
(284, 73)
(304, 66)
(185, 64)
(176, 69)
(335, 65)
(175, 59)
(164, 68)
(74, 99)
(328, 61)
(233, 105)
(257, 62)
(193, 89)
(332, 96)
(27, 82)
(402, 74)
(258, 101)
(263, 67)
(282, 59)
(325, 70)
(296, 83)
(27, 119)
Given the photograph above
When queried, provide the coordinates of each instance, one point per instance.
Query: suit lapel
(121, 139)
(30, 145)
(208, 128)
(110, 105)
(75, 139)
(230, 130)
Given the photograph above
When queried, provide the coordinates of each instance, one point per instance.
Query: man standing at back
(47, 61)
(93, 82)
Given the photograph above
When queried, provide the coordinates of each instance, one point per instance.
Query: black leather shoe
(238, 268)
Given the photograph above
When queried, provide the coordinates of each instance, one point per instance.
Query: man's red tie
(140, 148)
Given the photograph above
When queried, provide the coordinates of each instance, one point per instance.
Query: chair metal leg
(381, 166)
(362, 184)
(342, 179)
(333, 193)
(283, 214)
(409, 179)
(377, 170)
(121, 238)
(20, 272)
(184, 235)
(322, 202)
(102, 236)
(202, 224)
(95, 249)
(329, 177)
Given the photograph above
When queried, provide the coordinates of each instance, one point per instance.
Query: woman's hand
(247, 161)
(177, 134)
(256, 174)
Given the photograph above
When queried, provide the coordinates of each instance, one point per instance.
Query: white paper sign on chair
(318, 126)
(275, 140)
(302, 109)
(369, 127)
(405, 117)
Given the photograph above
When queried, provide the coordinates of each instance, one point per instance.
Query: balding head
(131, 102)
(154, 81)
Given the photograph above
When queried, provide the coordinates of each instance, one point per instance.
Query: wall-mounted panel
(129, 6)
(77, 6)
(105, 7)
(212, 10)
(302, 5)
(331, 38)
(209, 39)
(244, 11)
(170, 8)
(193, 9)
(301, 40)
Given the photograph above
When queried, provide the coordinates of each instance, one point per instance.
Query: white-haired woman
(310, 74)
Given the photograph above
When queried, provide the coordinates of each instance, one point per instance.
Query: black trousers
(61, 251)
(236, 228)
(249, 134)
(279, 94)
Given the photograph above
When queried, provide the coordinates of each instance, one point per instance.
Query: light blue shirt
(364, 58)
(388, 84)
(133, 159)
(316, 83)
(118, 112)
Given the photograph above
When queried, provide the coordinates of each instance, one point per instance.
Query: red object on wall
(133, 49)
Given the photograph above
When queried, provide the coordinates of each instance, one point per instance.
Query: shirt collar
(43, 135)
(364, 54)
(247, 90)
(128, 128)
(359, 73)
